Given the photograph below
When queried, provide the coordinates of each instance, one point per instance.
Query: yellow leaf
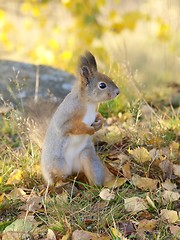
(174, 146)
(147, 225)
(15, 177)
(2, 198)
(140, 154)
(0, 179)
(116, 182)
(169, 215)
(135, 204)
(144, 183)
(117, 233)
(126, 170)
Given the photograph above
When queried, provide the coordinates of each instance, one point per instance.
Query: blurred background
(136, 42)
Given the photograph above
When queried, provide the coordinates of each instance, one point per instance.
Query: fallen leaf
(117, 234)
(169, 196)
(68, 231)
(17, 193)
(116, 182)
(33, 204)
(2, 196)
(175, 230)
(19, 228)
(176, 169)
(150, 202)
(85, 235)
(170, 215)
(15, 177)
(126, 169)
(107, 194)
(168, 185)
(140, 155)
(12, 235)
(167, 168)
(154, 153)
(174, 147)
(126, 227)
(123, 158)
(135, 204)
(144, 183)
(50, 235)
(147, 225)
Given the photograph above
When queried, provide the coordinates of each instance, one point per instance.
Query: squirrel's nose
(117, 91)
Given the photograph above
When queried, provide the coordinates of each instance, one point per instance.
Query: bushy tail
(37, 117)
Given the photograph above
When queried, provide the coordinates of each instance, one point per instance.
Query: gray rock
(21, 81)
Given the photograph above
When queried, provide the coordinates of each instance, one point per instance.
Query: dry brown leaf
(126, 169)
(135, 204)
(169, 196)
(17, 193)
(116, 182)
(176, 169)
(123, 158)
(107, 194)
(12, 236)
(175, 230)
(170, 215)
(147, 225)
(144, 183)
(50, 235)
(168, 185)
(154, 153)
(140, 155)
(15, 177)
(126, 228)
(85, 235)
(167, 168)
(33, 204)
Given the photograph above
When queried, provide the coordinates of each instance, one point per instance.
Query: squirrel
(67, 148)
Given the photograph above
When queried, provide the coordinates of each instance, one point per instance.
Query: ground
(140, 147)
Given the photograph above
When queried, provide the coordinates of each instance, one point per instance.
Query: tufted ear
(91, 60)
(85, 73)
(87, 67)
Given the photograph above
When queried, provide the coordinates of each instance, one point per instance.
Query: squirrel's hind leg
(54, 173)
(95, 171)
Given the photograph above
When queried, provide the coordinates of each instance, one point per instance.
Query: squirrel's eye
(102, 85)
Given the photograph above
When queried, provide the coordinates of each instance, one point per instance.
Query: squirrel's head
(95, 86)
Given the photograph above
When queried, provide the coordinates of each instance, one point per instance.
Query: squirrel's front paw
(98, 123)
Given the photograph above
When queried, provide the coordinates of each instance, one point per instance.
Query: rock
(18, 81)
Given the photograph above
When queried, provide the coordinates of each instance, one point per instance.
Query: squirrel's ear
(91, 60)
(85, 73)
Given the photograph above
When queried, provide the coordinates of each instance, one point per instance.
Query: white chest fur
(90, 114)
(76, 143)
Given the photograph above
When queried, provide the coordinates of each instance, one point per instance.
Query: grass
(82, 208)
